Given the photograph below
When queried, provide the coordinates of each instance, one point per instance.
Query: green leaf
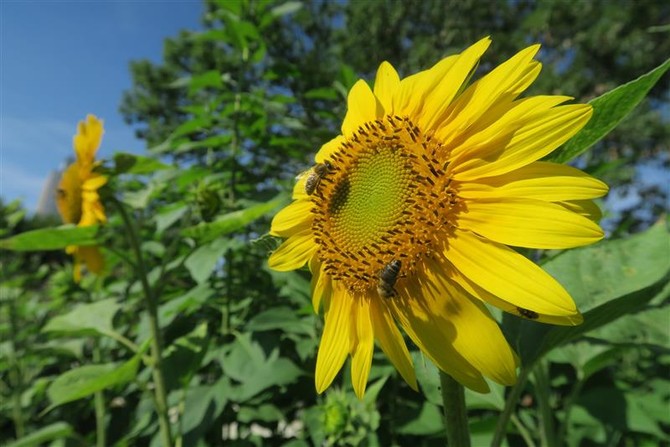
(182, 358)
(202, 262)
(58, 430)
(126, 163)
(168, 215)
(86, 319)
(52, 238)
(202, 407)
(210, 78)
(427, 422)
(280, 318)
(607, 281)
(205, 232)
(140, 199)
(608, 110)
(604, 314)
(247, 364)
(648, 327)
(82, 382)
(186, 304)
(285, 8)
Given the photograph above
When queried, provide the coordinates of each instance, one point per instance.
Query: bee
(527, 313)
(387, 278)
(319, 171)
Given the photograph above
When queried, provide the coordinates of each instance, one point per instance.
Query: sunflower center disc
(368, 201)
(385, 198)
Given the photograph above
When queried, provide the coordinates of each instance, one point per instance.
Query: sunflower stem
(15, 370)
(542, 392)
(455, 412)
(510, 405)
(160, 390)
(99, 403)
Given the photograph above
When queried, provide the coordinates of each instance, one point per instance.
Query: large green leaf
(58, 430)
(183, 356)
(230, 222)
(52, 238)
(202, 262)
(607, 281)
(84, 381)
(136, 164)
(247, 363)
(280, 318)
(86, 319)
(608, 110)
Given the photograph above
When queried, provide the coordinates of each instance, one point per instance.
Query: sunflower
(407, 217)
(77, 197)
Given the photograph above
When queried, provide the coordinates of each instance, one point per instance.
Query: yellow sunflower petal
(413, 90)
(94, 182)
(328, 148)
(334, 345)
(99, 212)
(540, 180)
(507, 274)
(387, 83)
(361, 354)
(76, 266)
(294, 252)
(528, 223)
(486, 297)
(299, 187)
(496, 127)
(530, 143)
(88, 138)
(391, 341)
(92, 258)
(434, 334)
(586, 208)
(295, 218)
(362, 106)
(68, 196)
(478, 337)
(321, 284)
(443, 82)
(504, 83)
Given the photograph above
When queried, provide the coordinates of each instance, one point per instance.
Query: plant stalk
(510, 404)
(99, 403)
(15, 373)
(542, 389)
(160, 389)
(455, 412)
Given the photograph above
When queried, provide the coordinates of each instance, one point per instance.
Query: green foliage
(608, 110)
(51, 238)
(230, 115)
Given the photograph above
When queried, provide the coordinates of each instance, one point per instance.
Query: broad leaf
(84, 381)
(608, 110)
(230, 222)
(202, 262)
(183, 356)
(607, 281)
(136, 164)
(52, 238)
(86, 319)
(58, 430)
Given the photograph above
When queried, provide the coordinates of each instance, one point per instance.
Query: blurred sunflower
(77, 197)
(408, 214)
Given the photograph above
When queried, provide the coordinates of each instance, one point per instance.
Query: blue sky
(61, 60)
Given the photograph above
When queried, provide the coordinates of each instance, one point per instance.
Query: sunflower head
(406, 218)
(77, 197)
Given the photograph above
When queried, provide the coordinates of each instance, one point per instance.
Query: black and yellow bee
(387, 278)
